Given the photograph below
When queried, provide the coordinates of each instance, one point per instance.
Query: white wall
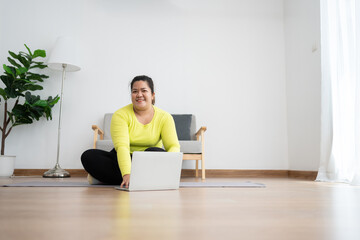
(222, 60)
(303, 78)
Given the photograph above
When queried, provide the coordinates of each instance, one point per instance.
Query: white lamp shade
(64, 52)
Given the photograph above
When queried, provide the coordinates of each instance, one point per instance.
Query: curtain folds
(340, 91)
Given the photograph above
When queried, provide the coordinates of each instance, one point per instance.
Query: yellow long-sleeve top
(129, 135)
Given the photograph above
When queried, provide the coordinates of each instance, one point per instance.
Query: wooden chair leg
(202, 168)
(202, 155)
(96, 132)
(197, 169)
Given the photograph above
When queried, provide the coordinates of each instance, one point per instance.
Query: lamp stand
(57, 171)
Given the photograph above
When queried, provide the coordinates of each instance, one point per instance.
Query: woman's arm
(120, 136)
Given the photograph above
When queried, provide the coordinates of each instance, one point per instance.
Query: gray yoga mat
(55, 184)
(220, 185)
(182, 184)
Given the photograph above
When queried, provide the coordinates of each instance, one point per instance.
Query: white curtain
(340, 96)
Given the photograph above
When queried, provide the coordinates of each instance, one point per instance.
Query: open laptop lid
(155, 171)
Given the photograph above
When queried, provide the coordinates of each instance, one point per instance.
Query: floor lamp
(63, 58)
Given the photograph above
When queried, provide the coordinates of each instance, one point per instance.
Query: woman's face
(141, 95)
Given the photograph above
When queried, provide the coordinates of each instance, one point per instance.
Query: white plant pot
(7, 165)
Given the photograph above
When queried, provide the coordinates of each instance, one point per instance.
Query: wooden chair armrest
(200, 132)
(99, 131)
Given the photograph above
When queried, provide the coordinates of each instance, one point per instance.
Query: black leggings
(104, 166)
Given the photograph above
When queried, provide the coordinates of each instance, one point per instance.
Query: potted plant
(20, 105)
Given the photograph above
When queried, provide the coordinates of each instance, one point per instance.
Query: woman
(139, 126)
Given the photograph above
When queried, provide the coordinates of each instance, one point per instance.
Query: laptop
(154, 171)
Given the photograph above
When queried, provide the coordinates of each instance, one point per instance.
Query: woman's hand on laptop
(126, 181)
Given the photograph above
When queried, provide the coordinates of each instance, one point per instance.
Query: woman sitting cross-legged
(139, 126)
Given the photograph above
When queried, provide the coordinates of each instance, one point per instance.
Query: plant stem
(5, 125)
(7, 134)
(4, 129)
(8, 120)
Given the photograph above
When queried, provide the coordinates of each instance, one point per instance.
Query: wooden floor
(285, 209)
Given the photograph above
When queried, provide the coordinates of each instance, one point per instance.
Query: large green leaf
(21, 70)
(31, 99)
(7, 80)
(12, 93)
(35, 76)
(41, 103)
(9, 70)
(36, 112)
(26, 56)
(39, 65)
(3, 93)
(52, 101)
(24, 80)
(39, 53)
(13, 62)
(18, 110)
(33, 87)
(13, 55)
(20, 120)
(28, 50)
(25, 62)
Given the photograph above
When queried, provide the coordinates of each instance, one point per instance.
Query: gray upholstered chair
(191, 141)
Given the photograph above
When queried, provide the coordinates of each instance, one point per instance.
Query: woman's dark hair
(145, 79)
